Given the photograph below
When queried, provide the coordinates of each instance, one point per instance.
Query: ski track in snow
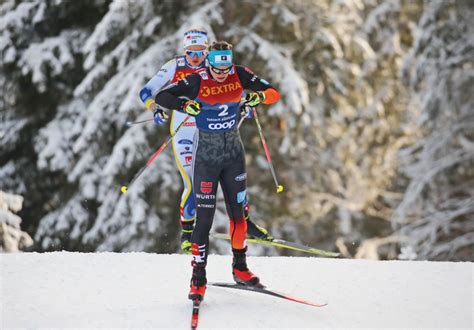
(142, 290)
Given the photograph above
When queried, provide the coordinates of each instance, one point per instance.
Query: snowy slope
(141, 290)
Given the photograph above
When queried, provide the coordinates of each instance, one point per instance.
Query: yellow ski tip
(124, 189)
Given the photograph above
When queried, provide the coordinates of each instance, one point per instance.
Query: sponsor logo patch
(185, 141)
(215, 90)
(241, 196)
(180, 75)
(204, 75)
(207, 206)
(206, 187)
(228, 124)
(241, 177)
(205, 197)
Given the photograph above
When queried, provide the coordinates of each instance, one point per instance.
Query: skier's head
(195, 46)
(220, 60)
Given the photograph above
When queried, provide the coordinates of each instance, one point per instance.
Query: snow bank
(142, 290)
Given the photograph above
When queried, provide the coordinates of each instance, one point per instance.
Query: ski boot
(186, 233)
(198, 280)
(254, 230)
(198, 283)
(242, 275)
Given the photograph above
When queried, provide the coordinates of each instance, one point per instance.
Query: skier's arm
(159, 80)
(252, 82)
(174, 96)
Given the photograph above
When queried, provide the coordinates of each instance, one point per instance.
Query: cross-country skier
(195, 49)
(213, 96)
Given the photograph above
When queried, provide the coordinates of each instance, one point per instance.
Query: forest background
(373, 139)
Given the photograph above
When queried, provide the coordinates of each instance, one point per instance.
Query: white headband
(195, 38)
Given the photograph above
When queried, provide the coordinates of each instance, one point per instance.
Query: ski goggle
(219, 71)
(198, 53)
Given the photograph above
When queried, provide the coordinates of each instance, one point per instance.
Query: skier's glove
(159, 116)
(192, 108)
(255, 98)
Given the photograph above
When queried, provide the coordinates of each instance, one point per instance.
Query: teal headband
(220, 58)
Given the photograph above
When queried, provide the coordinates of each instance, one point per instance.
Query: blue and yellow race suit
(173, 71)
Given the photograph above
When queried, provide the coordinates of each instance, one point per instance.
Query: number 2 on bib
(224, 109)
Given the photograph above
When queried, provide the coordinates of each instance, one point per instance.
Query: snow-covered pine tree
(437, 211)
(340, 140)
(12, 238)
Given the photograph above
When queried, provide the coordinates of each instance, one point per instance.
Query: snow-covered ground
(139, 290)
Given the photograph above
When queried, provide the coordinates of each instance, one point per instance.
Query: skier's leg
(234, 194)
(205, 181)
(182, 150)
(253, 230)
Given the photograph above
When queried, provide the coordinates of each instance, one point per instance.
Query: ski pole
(124, 189)
(242, 116)
(240, 122)
(129, 124)
(267, 153)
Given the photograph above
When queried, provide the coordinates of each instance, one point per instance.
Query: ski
(195, 315)
(266, 291)
(283, 244)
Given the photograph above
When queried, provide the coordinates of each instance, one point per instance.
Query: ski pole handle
(247, 110)
(279, 188)
(124, 189)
